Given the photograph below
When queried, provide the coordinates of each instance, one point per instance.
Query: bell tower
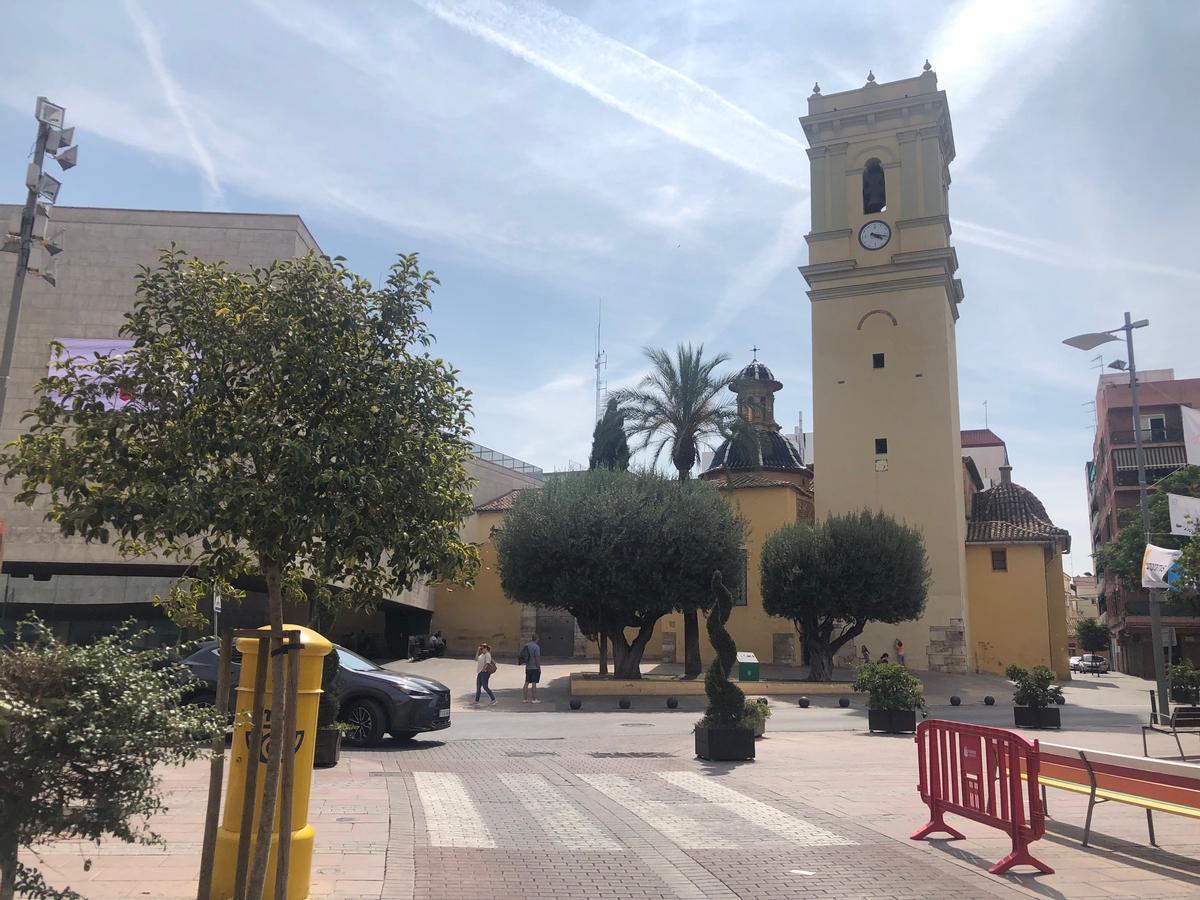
(884, 304)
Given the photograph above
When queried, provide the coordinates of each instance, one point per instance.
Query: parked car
(375, 701)
(1091, 663)
(1074, 663)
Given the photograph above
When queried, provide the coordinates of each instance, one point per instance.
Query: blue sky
(542, 157)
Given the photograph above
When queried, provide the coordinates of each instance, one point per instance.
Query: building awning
(1156, 458)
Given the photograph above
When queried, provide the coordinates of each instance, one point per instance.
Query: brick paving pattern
(542, 819)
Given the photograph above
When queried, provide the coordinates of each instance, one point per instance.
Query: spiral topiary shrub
(723, 733)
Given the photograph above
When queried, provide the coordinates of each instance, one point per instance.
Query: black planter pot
(328, 748)
(1037, 716)
(719, 744)
(1185, 695)
(892, 721)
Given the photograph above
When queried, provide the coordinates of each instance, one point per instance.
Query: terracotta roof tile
(738, 480)
(1009, 513)
(503, 503)
(981, 437)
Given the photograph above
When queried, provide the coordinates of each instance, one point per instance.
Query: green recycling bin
(748, 667)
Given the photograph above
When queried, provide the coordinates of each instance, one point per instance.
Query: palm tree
(676, 407)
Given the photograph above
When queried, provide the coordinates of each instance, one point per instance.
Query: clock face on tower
(875, 235)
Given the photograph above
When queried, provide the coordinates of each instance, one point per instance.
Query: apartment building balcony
(1149, 436)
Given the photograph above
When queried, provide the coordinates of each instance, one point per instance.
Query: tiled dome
(756, 371)
(777, 453)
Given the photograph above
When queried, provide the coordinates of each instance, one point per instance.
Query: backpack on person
(523, 656)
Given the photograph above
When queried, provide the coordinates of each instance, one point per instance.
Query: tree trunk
(270, 789)
(627, 657)
(8, 865)
(603, 653)
(820, 659)
(692, 666)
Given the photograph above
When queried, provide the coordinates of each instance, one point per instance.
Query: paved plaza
(536, 802)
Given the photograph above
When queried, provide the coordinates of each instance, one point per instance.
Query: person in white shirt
(484, 667)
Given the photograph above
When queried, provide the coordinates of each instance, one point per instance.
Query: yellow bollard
(300, 866)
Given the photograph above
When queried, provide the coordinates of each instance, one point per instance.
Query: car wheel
(404, 735)
(364, 720)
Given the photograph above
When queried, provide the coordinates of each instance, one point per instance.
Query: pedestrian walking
(531, 656)
(899, 651)
(484, 667)
(866, 654)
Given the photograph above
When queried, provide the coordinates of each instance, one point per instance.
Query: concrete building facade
(85, 588)
(884, 304)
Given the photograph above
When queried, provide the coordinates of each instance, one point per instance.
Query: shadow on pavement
(1027, 880)
(393, 745)
(1141, 856)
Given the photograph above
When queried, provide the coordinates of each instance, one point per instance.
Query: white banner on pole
(1185, 514)
(1159, 569)
(1191, 434)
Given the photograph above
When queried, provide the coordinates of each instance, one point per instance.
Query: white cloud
(629, 81)
(1058, 254)
(993, 54)
(174, 97)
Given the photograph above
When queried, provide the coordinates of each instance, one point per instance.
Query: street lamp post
(1089, 342)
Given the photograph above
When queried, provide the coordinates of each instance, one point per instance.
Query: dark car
(375, 701)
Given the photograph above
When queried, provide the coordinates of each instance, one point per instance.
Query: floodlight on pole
(48, 187)
(27, 237)
(1088, 342)
(50, 113)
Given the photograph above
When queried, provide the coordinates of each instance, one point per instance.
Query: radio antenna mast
(601, 367)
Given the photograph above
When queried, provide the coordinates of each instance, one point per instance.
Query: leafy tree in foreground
(82, 731)
(617, 550)
(285, 423)
(1091, 636)
(610, 447)
(674, 408)
(832, 578)
(1121, 558)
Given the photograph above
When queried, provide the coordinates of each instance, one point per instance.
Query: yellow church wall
(1059, 636)
(467, 617)
(1017, 616)
(765, 509)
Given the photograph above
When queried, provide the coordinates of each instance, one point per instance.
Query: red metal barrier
(975, 772)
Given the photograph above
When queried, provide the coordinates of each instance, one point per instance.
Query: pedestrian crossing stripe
(453, 817)
(564, 823)
(790, 828)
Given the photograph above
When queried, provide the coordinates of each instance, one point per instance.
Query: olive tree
(618, 550)
(834, 577)
(83, 730)
(286, 423)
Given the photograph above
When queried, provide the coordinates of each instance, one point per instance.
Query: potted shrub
(1185, 683)
(1035, 699)
(756, 714)
(893, 697)
(723, 733)
(329, 731)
